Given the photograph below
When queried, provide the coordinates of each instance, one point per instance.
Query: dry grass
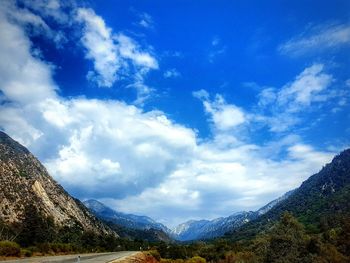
(136, 258)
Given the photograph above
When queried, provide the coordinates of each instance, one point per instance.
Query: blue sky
(177, 109)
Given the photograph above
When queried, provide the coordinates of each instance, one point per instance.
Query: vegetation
(287, 240)
(315, 230)
(38, 235)
(9, 249)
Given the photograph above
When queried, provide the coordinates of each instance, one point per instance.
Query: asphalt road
(84, 258)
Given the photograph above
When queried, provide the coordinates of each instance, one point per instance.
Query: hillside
(319, 199)
(29, 194)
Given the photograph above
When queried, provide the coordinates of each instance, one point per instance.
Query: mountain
(30, 195)
(129, 225)
(321, 198)
(207, 229)
(190, 230)
(269, 206)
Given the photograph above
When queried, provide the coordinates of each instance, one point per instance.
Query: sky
(177, 109)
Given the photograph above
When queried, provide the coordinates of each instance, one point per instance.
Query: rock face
(25, 183)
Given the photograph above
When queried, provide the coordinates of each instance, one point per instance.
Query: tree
(287, 241)
(36, 228)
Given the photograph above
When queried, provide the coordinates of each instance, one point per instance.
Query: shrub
(26, 252)
(196, 259)
(9, 249)
(155, 254)
(44, 248)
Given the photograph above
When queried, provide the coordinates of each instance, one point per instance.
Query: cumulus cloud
(141, 147)
(141, 161)
(317, 39)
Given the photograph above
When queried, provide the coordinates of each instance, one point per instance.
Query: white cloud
(144, 147)
(100, 47)
(115, 56)
(129, 49)
(224, 116)
(24, 16)
(146, 20)
(54, 9)
(23, 78)
(171, 73)
(317, 39)
(267, 96)
(306, 87)
(284, 105)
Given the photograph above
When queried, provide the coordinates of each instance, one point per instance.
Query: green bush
(9, 249)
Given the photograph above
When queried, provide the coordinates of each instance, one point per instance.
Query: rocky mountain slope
(322, 197)
(129, 225)
(26, 189)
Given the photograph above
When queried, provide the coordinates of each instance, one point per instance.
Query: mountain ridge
(27, 190)
(129, 225)
(124, 219)
(208, 229)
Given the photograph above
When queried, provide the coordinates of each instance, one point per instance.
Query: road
(84, 258)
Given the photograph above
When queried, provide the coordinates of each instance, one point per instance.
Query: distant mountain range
(129, 225)
(148, 228)
(207, 229)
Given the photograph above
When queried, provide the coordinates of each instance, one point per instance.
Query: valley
(36, 211)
